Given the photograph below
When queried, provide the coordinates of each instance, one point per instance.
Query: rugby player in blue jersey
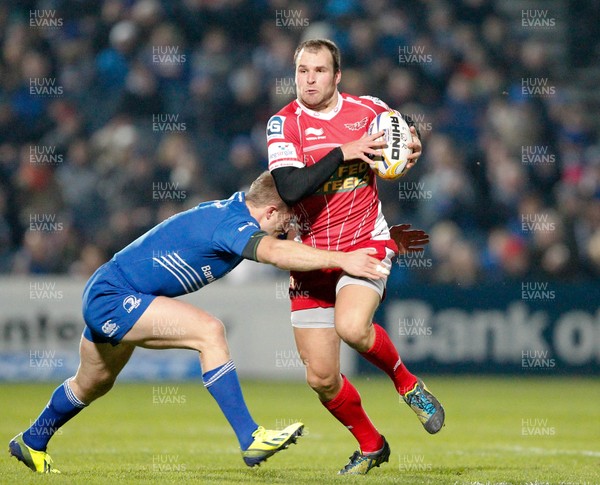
(136, 288)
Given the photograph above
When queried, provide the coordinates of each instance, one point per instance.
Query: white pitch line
(545, 451)
(522, 449)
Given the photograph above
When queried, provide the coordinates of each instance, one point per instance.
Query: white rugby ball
(392, 162)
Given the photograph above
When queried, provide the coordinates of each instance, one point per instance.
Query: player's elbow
(289, 192)
(291, 199)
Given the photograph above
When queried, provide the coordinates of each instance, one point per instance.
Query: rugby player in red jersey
(319, 157)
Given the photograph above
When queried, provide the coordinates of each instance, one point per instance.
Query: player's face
(278, 223)
(316, 82)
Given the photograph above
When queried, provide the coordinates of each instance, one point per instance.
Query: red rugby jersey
(345, 210)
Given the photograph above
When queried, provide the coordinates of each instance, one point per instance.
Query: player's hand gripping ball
(392, 162)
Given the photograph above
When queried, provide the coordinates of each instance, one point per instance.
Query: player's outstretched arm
(291, 255)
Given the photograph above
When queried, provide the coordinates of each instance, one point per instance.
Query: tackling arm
(291, 255)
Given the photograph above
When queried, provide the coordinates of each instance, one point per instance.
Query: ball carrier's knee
(359, 336)
(326, 385)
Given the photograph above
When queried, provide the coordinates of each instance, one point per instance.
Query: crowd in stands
(115, 114)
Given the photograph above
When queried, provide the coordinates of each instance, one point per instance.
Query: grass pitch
(498, 431)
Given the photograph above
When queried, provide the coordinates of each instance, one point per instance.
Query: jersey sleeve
(294, 185)
(251, 249)
(234, 233)
(283, 143)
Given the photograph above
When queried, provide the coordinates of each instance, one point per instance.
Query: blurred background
(116, 114)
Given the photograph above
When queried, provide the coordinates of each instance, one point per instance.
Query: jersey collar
(238, 197)
(324, 116)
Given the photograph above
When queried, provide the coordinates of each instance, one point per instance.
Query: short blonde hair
(263, 192)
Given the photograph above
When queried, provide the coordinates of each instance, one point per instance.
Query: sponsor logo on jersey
(207, 270)
(110, 328)
(282, 151)
(275, 127)
(130, 303)
(347, 177)
(359, 125)
(248, 224)
(313, 131)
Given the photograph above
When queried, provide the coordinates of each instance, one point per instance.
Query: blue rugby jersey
(190, 249)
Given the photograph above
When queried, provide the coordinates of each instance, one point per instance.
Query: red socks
(384, 355)
(347, 407)
(348, 410)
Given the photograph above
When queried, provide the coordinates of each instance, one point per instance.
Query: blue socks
(63, 405)
(222, 383)
(224, 386)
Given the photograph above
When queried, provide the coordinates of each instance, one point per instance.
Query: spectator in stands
(467, 88)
